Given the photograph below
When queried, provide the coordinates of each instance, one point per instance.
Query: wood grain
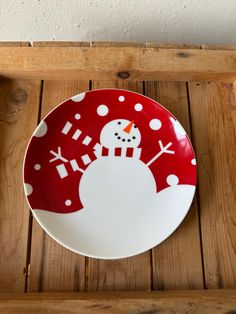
(177, 261)
(52, 267)
(213, 115)
(218, 47)
(104, 63)
(61, 44)
(216, 301)
(172, 46)
(18, 117)
(132, 273)
(15, 44)
(115, 44)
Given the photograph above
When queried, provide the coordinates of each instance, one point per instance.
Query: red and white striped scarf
(101, 151)
(79, 164)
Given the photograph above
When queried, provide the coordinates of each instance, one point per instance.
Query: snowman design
(120, 177)
(116, 202)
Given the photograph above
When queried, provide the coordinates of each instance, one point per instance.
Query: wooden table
(196, 84)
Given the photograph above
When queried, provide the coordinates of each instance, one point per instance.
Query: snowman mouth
(123, 139)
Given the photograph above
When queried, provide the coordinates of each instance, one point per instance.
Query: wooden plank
(177, 261)
(221, 301)
(213, 118)
(15, 44)
(106, 63)
(172, 46)
(132, 273)
(61, 44)
(218, 47)
(115, 44)
(52, 267)
(18, 117)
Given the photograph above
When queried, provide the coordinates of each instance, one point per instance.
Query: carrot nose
(128, 127)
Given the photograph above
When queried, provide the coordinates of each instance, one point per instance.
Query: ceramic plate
(109, 173)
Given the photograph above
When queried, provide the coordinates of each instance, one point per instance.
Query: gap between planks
(114, 44)
(30, 223)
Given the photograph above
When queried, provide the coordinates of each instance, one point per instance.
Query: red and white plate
(109, 173)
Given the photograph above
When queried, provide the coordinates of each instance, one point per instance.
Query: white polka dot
(138, 107)
(155, 124)
(172, 180)
(28, 189)
(102, 110)
(68, 202)
(193, 161)
(78, 97)
(178, 127)
(41, 129)
(121, 98)
(37, 166)
(77, 116)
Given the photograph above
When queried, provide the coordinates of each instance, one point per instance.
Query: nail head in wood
(18, 96)
(183, 54)
(123, 75)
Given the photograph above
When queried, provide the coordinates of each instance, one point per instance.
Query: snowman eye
(135, 126)
(119, 122)
(134, 137)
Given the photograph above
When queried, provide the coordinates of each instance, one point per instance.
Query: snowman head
(120, 133)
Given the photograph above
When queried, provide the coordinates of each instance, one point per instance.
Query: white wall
(174, 21)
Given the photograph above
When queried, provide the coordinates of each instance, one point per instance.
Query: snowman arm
(58, 155)
(164, 150)
(61, 168)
